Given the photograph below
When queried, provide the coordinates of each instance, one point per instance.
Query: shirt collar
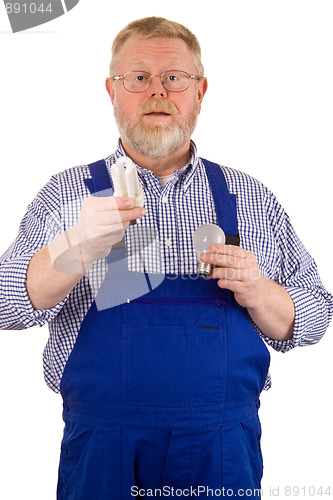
(119, 151)
(185, 174)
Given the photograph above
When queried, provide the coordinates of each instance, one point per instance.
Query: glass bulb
(203, 237)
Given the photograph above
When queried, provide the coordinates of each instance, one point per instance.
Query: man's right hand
(101, 224)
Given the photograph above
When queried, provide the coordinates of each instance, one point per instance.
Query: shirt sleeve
(297, 272)
(38, 227)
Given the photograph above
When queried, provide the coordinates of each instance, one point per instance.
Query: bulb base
(204, 269)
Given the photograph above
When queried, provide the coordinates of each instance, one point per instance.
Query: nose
(156, 88)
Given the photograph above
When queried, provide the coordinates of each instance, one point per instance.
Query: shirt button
(168, 242)
(165, 199)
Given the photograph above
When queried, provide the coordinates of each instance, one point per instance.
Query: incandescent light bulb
(203, 237)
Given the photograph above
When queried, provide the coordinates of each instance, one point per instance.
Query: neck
(160, 166)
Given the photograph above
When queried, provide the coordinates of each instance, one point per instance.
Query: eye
(172, 78)
(138, 78)
(141, 78)
(141, 75)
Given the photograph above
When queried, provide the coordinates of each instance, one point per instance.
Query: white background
(268, 111)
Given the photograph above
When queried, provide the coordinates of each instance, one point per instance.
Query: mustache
(158, 105)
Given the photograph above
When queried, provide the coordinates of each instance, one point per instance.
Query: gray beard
(159, 139)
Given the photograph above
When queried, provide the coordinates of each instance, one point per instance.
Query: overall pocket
(252, 433)
(74, 447)
(241, 455)
(174, 365)
(90, 463)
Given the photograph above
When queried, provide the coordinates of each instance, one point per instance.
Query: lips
(158, 113)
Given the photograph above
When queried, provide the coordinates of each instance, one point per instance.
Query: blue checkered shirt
(174, 211)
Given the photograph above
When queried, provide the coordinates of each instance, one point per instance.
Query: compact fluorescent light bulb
(125, 181)
(203, 237)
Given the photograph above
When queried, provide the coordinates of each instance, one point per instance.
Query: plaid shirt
(173, 212)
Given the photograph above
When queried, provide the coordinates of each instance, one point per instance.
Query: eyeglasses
(140, 81)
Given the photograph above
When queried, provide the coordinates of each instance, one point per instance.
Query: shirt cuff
(14, 299)
(311, 319)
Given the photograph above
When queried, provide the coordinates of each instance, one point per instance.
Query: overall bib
(162, 392)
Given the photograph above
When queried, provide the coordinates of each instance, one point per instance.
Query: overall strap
(225, 202)
(100, 181)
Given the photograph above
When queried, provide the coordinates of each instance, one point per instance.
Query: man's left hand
(237, 270)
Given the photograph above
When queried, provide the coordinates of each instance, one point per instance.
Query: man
(162, 391)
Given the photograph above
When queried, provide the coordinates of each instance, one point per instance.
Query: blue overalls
(162, 392)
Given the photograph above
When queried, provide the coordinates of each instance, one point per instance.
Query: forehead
(152, 51)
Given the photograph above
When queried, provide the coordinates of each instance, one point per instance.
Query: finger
(222, 260)
(229, 274)
(232, 250)
(248, 276)
(135, 213)
(102, 203)
(110, 217)
(233, 286)
(124, 203)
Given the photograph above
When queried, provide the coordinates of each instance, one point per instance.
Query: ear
(202, 89)
(109, 84)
